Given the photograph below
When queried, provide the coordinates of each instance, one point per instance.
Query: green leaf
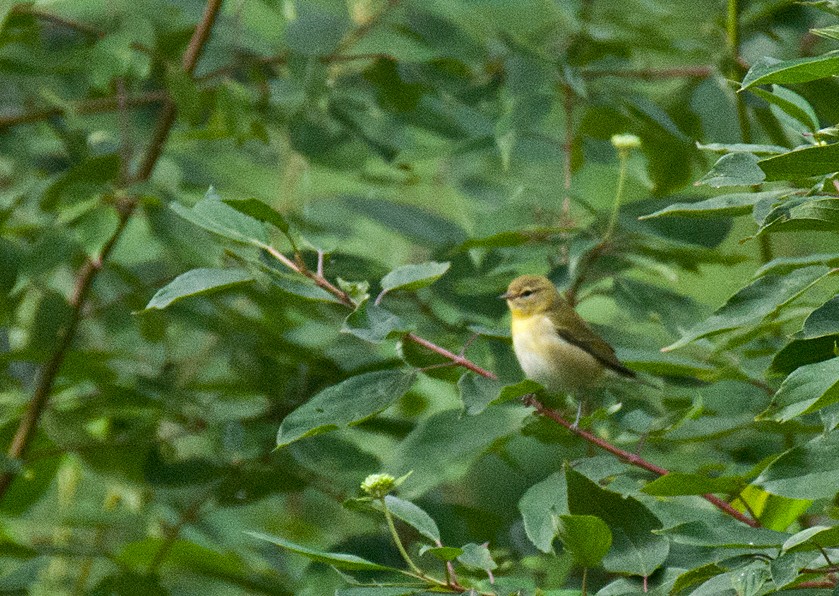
(212, 214)
(801, 70)
(720, 206)
(414, 517)
(197, 282)
(808, 471)
(444, 553)
(742, 148)
(800, 352)
(376, 591)
(697, 575)
(476, 556)
(816, 213)
(821, 322)
(635, 548)
(830, 32)
(81, 182)
(763, 297)
(791, 104)
(517, 390)
(734, 169)
(802, 163)
(807, 389)
(477, 392)
(539, 508)
(715, 535)
(813, 538)
(345, 404)
(586, 537)
(413, 277)
(259, 210)
(783, 265)
(422, 226)
(339, 560)
(316, 32)
(677, 483)
(373, 323)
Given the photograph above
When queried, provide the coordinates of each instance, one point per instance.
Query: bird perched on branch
(553, 344)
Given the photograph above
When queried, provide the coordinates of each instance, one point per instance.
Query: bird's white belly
(550, 360)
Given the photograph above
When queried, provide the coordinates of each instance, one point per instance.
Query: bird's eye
(526, 293)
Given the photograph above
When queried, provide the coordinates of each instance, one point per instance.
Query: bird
(553, 344)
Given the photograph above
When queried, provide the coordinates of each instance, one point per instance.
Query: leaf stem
(623, 156)
(398, 541)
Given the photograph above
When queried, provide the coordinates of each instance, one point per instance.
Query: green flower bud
(378, 485)
(625, 142)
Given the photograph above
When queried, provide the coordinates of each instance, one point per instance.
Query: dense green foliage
(195, 384)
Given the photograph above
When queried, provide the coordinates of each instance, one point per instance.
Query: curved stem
(623, 156)
(398, 541)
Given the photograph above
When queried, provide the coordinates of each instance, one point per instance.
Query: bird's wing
(573, 329)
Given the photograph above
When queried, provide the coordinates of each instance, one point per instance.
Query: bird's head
(531, 294)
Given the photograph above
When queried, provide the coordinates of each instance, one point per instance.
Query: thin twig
(650, 74)
(88, 272)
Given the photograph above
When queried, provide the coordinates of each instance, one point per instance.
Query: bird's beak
(504, 296)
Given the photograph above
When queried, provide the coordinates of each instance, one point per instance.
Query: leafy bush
(311, 355)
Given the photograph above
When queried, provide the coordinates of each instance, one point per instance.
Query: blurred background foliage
(388, 132)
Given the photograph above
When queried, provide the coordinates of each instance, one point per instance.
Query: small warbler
(553, 344)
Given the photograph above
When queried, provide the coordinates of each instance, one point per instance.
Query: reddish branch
(87, 274)
(458, 360)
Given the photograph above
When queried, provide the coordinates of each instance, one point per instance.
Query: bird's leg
(579, 413)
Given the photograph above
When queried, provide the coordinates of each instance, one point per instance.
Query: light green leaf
(734, 169)
(339, 560)
(782, 265)
(821, 322)
(197, 282)
(807, 389)
(212, 214)
(789, 103)
(635, 548)
(413, 516)
(477, 392)
(813, 538)
(586, 537)
(802, 163)
(539, 508)
(742, 148)
(517, 390)
(476, 556)
(444, 553)
(677, 483)
(812, 213)
(800, 70)
(739, 203)
(808, 471)
(345, 404)
(830, 32)
(413, 277)
(761, 298)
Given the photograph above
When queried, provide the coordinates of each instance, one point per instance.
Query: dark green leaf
(212, 214)
(517, 390)
(676, 483)
(808, 471)
(81, 182)
(373, 323)
(734, 169)
(813, 538)
(821, 322)
(315, 32)
(792, 105)
(818, 213)
(719, 206)
(802, 163)
(800, 70)
(413, 516)
(807, 389)
(586, 537)
(197, 282)
(345, 404)
(339, 560)
(444, 553)
(635, 548)
(261, 211)
(761, 298)
(477, 392)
